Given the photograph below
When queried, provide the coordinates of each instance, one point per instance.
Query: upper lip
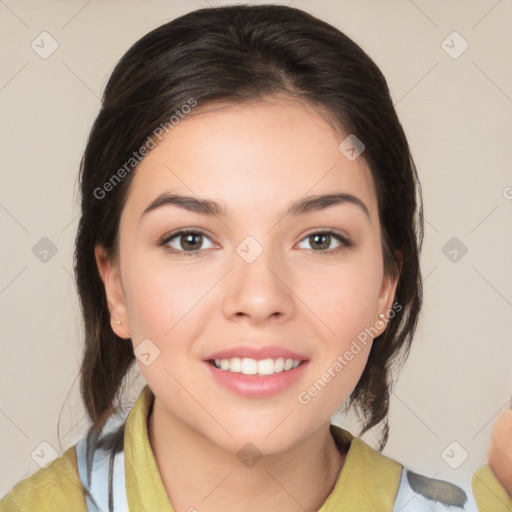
(259, 353)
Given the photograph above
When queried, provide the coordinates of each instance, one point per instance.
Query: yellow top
(368, 481)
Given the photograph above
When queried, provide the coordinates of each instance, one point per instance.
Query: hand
(500, 452)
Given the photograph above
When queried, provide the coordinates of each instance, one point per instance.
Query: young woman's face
(255, 281)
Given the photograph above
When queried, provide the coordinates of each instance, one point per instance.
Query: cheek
(345, 302)
(163, 306)
(345, 298)
(158, 296)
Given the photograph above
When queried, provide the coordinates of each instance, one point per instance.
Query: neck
(198, 474)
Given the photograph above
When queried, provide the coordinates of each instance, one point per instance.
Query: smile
(249, 366)
(252, 378)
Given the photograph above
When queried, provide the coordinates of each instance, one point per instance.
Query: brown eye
(191, 241)
(185, 242)
(321, 241)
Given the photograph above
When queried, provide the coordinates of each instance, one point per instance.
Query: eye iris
(317, 236)
(187, 238)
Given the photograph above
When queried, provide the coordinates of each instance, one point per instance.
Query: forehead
(263, 153)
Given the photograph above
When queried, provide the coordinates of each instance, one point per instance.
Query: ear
(387, 297)
(110, 275)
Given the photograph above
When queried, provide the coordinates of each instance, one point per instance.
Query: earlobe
(110, 275)
(386, 299)
(391, 282)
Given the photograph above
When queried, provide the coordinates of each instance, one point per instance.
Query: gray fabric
(419, 493)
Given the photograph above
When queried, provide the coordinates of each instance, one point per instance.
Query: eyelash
(345, 243)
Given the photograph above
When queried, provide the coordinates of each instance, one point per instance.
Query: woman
(250, 236)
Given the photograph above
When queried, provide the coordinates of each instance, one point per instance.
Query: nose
(258, 290)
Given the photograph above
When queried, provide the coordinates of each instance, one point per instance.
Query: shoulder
(490, 495)
(372, 481)
(56, 487)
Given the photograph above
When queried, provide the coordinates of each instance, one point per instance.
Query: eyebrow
(299, 207)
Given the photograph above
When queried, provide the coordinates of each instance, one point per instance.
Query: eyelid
(340, 236)
(182, 231)
(330, 231)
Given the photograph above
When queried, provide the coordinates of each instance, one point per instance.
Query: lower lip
(254, 386)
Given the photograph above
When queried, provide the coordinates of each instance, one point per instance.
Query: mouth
(258, 367)
(256, 371)
(261, 378)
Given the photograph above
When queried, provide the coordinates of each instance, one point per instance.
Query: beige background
(456, 113)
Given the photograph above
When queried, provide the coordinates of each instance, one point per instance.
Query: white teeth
(266, 367)
(235, 364)
(279, 365)
(249, 366)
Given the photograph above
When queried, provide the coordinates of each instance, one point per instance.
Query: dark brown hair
(237, 54)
